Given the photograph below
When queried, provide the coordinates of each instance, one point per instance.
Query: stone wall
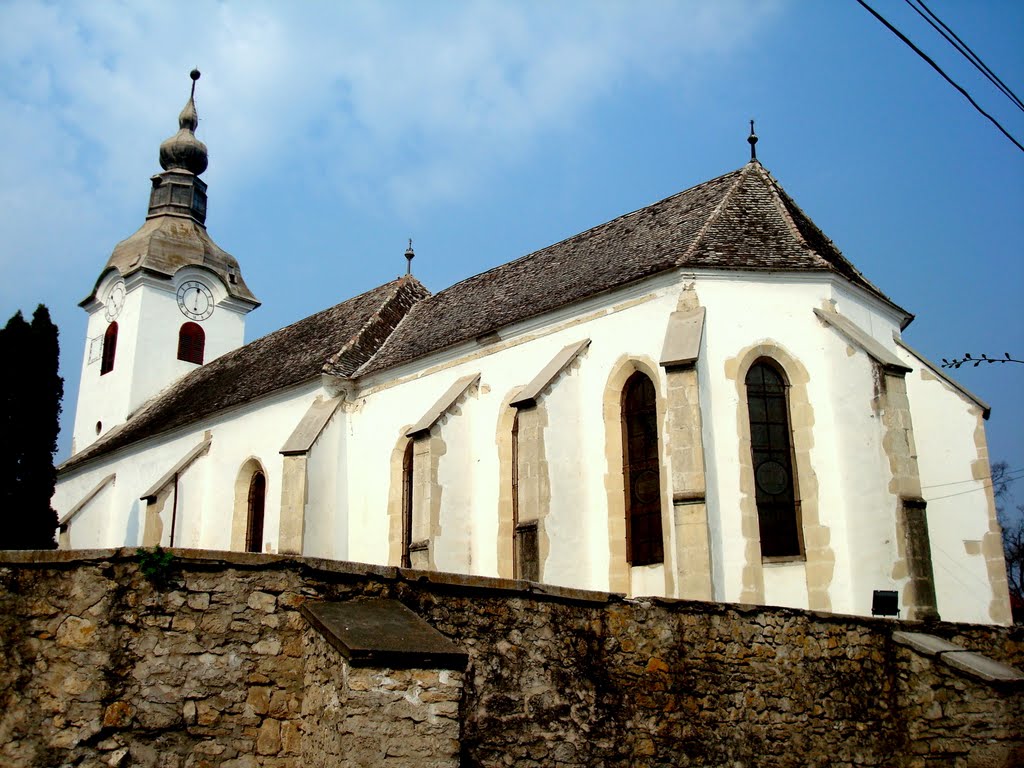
(401, 718)
(217, 667)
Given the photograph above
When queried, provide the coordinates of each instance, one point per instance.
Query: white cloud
(384, 98)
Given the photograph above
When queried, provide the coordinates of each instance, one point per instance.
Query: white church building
(701, 399)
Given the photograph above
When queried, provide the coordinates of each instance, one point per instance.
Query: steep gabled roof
(337, 340)
(740, 221)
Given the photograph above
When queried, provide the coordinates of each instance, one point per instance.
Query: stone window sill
(784, 560)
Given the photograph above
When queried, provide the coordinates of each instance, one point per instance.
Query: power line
(973, 490)
(1006, 476)
(938, 69)
(965, 50)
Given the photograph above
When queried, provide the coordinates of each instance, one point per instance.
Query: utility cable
(971, 490)
(938, 69)
(964, 49)
(1009, 474)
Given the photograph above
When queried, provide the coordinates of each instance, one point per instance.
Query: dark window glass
(527, 552)
(191, 343)
(772, 454)
(257, 499)
(109, 349)
(642, 472)
(407, 466)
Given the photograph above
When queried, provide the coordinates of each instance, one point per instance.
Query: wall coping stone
(926, 645)
(381, 632)
(959, 658)
(982, 667)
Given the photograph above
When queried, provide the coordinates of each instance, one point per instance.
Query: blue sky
(487, 130)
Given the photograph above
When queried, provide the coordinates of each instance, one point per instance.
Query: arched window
(191, 343)
(257, 499)
(642, 471)
(407, 478)
(525, 545)
(517, 555)
(109, 349)
(771, 448)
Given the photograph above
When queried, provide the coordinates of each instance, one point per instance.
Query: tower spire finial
(409, 255)
(752, 140)
(183, 150)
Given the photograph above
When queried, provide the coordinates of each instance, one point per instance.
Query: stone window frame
(619, 579)
(402, 456)
(797, 511)
(819, 557)
(240, 517)
(507, 517)
(255, 524)
(651, 557)
(408, 485)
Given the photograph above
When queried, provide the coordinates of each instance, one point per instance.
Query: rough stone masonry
(210, 662)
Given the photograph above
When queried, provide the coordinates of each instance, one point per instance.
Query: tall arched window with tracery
(191, 343)
(407, 489)
(109, 349)
(771, 448)
(257, 502)
(642, 472)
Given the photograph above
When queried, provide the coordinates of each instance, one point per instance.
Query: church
(702, 399)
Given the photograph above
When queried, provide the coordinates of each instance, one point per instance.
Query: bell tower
(168, 300)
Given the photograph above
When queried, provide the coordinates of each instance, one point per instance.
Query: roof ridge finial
(409, 255)
(752, 140)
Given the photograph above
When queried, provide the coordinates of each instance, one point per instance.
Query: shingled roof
(165, 244)
(740, 221)
(337, 340)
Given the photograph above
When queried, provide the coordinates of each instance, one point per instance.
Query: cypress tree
(30, 396)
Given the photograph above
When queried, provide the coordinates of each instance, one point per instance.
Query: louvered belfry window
(771, 448)
(191, 343)
(257, 500)
(109, 349)
(642, 472)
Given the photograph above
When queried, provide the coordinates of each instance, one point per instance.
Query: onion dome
(183, 150)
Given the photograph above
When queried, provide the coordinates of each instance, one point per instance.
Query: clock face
(195, 300)
(115, 300)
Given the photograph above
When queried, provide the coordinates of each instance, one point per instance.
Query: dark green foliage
(30, 397)
(156, 565)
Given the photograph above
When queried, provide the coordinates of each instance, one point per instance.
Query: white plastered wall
(742, 313)
(566, 525)
(350, 463)
(945, 423)
(326, 524)
(86, 530)
(206, 488)
(146, 359)
(861, 470)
